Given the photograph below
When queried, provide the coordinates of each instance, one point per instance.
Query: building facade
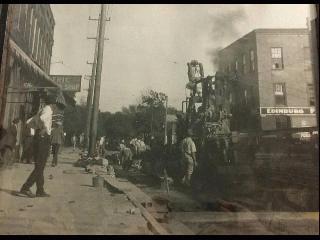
(30, 29)
(26, 60)
(270, 80)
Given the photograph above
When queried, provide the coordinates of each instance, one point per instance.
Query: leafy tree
(73, 121)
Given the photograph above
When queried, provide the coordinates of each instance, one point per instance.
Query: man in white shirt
(42, 124)
(188, 149)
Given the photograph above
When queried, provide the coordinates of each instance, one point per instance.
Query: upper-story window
(252, 61)
(276, 58)
(236, 65)
(30, 30)
(244, 62)
(245, 93)
(19, 16)
(280, 94)
(37, 43)
(311, 95)
(34, 37)
(25, 31)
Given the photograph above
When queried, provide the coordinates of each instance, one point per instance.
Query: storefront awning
(39, 78)
(43, 78)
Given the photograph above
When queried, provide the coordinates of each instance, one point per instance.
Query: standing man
(42, 123)
(57, 139)
(188, 149)
(8, 143)
(27, 153)
(74, 141)
(125, 158)
(81, 141)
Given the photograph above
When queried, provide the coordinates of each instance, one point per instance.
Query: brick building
(270, 81)
(26, 60)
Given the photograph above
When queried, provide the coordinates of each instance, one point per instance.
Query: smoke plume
(224, 30)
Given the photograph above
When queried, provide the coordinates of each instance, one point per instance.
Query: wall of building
(235, 62)
(33, 30)
(296, 72)
(30, 29)
(255, 78)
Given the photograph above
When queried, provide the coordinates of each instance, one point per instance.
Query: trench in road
(179, 209)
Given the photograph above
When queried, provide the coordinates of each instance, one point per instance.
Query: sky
(148, 46)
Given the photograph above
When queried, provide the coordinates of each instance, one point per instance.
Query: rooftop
(271, 31)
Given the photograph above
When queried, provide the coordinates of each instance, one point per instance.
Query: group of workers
(188, 159)
(10, 149)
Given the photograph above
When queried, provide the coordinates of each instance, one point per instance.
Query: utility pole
(95, 113)
(90, 90)
(165, 123)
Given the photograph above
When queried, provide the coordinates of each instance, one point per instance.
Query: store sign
(68, 83)
(27, 85)
(266, 111)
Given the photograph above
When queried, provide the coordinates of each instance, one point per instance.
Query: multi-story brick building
(26, 62)
(271, 81)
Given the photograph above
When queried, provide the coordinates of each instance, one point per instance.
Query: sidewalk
(73, 208)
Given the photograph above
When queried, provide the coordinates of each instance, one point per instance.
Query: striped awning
(41, 79)
(28, 63)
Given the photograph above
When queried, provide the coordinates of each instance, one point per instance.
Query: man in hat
(57, 139)
(42, 123)
(188, 149)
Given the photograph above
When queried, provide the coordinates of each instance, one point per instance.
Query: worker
(188, 149)
(8, 143)
(81, 141)
(126, 158)
(74, 141)
(27, 154)
(42, 123)
(57, 139)
(102, 147)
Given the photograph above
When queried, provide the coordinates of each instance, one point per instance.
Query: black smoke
(224, 30)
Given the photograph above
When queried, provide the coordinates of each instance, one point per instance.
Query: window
(252, 60)
(39, 47)
(245, 96)
(34, 37)
(30, 32)
(236, 65)
(276, 58)
(244, 61)
(19, 16)
(37, 44)
(283, 122)
(25, 20)
(311, 94)
(279, 93)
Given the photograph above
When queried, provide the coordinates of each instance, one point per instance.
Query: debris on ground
(131, 211)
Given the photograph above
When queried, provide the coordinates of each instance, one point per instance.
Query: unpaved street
(75, 207)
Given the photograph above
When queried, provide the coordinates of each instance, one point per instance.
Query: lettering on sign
(286, 111)
(70, 83)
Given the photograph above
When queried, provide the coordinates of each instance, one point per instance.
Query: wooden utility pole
(95, 113)
(165, 123)
(90, 90)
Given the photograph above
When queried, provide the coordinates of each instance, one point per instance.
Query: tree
(73, 120)
(145, 119)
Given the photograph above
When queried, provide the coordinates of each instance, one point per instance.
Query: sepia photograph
(159, 119)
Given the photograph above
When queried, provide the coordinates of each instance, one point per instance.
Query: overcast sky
(150, 45)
